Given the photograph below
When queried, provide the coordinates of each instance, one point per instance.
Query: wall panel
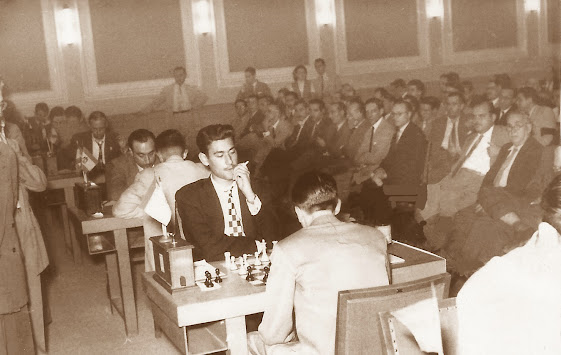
(553, 19)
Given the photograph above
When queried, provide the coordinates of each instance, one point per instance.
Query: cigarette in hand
(245, 163)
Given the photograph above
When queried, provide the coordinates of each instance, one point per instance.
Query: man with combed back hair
(311, 266)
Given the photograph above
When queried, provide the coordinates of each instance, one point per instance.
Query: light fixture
(532, 5)
(203, 14)
(435, 9)
(67, 26)
(324, 12)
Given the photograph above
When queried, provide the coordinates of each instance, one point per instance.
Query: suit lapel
(212, 203)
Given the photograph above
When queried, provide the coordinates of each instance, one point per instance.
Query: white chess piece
(243, 267)
(265, 257)
(257, 261)
(233, 265)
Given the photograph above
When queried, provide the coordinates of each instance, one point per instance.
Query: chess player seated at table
(172, 173)
(311, 266)
(511, 305)
(229, 210)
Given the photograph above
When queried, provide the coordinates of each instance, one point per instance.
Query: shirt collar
(377, 124)
(276, 124)
(219, 187)
(102, 141)
(402, 128)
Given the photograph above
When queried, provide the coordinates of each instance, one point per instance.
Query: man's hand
(493, 150)
(479, 209)
(241, 175)
(320, 142)
(510, 218)
(378, 176)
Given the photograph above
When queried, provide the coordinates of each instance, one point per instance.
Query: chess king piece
(264, 257)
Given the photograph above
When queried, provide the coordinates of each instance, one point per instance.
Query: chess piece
(266, 277)
(208, 281)
(233, 265)
(227, 259)
(257, 261)
(218, 279)
(242, 270)
(249, 276)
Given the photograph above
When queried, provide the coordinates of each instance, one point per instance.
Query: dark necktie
(467, 155)
(371, 140)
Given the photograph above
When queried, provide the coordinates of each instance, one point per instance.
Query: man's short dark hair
(481, 100)
(41, 106)
(180, 68)
(56, 111)
(374, 100)
(73, 111)
(385, 94)
(406, 103)
(458, 95)
(317, 102)
(215, 132)
(240, 100)
(398, 83)
(140, 135)
(319, 60)
(528, 93)
(432, 101)
(315, 191)
(357, 101)
(97, 115)
(250, 70)
(170, 138)
(418, 84)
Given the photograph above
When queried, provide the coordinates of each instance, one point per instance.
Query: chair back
(399, 340)
(359, 329)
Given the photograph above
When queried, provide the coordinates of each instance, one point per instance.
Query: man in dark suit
(402, 167)
(496, 222)
(507, 103)
(102, 143)
(224, 213)
(299, 140)
(252, 86)
(121, 171)
(256, 117)
(338, 115)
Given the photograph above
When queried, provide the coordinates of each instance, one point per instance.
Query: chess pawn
(266, 277)
(242, 270)
(265, 257)
(218, 279)
(233, 265)
(257, 261)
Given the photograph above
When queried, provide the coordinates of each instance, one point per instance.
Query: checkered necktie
(100, 153)
(235, 227)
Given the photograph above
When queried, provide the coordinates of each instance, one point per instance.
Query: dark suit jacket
(502, 120)
(356, 137)
(340, 139)
(440, 161)
(405, 161)
(203, 222)
(254, 120)
(495, 200)
(111, 148)
(119, 175)
(304, 139)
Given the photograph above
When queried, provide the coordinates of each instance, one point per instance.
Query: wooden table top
(237, 297)
(106, 223)
(67, 178)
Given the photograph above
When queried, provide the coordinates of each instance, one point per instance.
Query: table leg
(127, 291)
(76, 252)
(236, 335)
(65, 227)
(112, 277)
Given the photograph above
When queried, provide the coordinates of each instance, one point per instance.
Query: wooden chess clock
(174, 263)
(88, 197)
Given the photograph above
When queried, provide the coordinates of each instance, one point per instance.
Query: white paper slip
(396, 259)
(203, 287)
(203, 266)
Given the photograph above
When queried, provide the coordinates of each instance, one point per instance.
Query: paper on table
(201, 267)
(396, 259)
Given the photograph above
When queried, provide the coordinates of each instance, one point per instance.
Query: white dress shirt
(301, 123)
(95, 148)
(181, 100)
(451, 128)
(399, 132)
(223, 195)
(479, 161)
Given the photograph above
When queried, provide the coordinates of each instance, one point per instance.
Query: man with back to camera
(121, 171)
(224, 213)
(311, 266)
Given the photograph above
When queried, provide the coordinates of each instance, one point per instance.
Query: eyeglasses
(399, 113)
(515, 127)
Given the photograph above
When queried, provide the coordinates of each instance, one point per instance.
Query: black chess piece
(266, 269)
(249, 276)
(208, 281)
(218, 279)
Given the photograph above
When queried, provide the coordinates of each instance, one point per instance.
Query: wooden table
(117, 257)
(66, 181)
(237, 298)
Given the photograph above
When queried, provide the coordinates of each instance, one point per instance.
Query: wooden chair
(358, 328)
(399, 340)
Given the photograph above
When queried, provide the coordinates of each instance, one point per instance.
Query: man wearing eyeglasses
(500, 219)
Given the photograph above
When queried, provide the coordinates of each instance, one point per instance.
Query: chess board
(258, 271)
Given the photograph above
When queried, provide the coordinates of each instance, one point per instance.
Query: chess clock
(88, 197)
(174, 263)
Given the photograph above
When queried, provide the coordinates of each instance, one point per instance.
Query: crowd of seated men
(476, 163)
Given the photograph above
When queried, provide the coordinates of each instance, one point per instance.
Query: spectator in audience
(325, 85)
(102, 143)
(290, 100)
(460, 187)
(177, 98)
(358, 124)
(416, 88)
(121, 171)
(205, 207)
(544, 124)
(300, 138)
(301, 85)
(41, 112)
(510, 306)
(277, 127)
(338, 116)
(31, 130)
(469, 91)
(252, 86)
(170, 175)
(242, 117)
(388, 100)
(493, 90)
(375, 143)
(428, 113)
(50, 141)
(256, 116)
(72, 123)
(398, 88)
(263, 103)
(402, 166)
(415, 105)
(310, 267)
(499, 220)
(507, 103)
(447, 79)
(348, 92)
(281, 96)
